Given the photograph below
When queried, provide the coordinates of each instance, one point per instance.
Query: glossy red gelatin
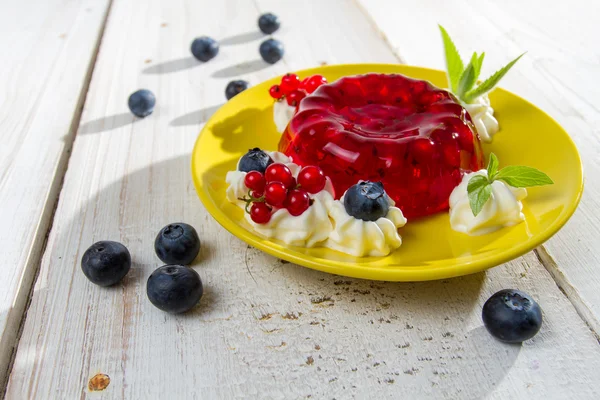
(410, 135)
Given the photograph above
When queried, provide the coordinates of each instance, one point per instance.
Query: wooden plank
(558, 74)
(265, 329)
(48, 47)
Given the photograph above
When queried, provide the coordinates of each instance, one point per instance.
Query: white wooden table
(76, 167)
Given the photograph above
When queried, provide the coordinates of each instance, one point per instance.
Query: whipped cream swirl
(482, 114)
(364, 238)
(308, 229)
(503, 208)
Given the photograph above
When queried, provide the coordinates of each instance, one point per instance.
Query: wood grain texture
(559, 74)
(264, 328)
(48, 47)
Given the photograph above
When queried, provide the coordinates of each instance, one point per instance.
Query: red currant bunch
(294, 90)
(311, 83)
(277, 188)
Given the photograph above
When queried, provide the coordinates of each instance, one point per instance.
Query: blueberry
(234, 88)
(268, 23)
(174, 288)
(271, 50)
(255, 160)
(141, 103)
(367, 201)
(512, 316)
(177, 243)
(106, 263)
(205, 48)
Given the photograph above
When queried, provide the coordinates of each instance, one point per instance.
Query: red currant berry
(314, 82)
(293, 99)
(260, 213)
(311, 179)
(297, 202)
(289, 83)
(275, 194)
(255, 181)
(275, 92)
(303, 83)
(280, 173)
(257, 195)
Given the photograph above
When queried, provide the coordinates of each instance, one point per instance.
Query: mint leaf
(476, 62)
(519, 176)
(490, 82)
(454, 64)
(479, 190)
(466, 81)
(492, 168)
(480, 62)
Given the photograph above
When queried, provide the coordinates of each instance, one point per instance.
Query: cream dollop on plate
(503, 208)
(364, 238)
(308, 229)
(325, 223)
(282, 114)
(482, 114)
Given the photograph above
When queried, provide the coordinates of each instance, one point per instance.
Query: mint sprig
(523, 176)
(462, 79)
(454, 64)
(490, 82)
(492, 168)
(479, 188)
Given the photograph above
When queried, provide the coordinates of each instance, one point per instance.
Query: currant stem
(251, 199)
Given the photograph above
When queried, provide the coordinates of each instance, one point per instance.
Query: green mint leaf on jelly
(492, 168)
(519, 176)
(489, 83)
(454, 64)
(466, 81)
(479, 190)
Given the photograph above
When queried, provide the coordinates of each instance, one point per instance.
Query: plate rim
(408, 273)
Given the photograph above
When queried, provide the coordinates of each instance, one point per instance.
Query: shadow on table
(173, 66)
(240, 69)
(133, 209)
(495, 361)
(107, 123)
(195, 117)
(241, 38)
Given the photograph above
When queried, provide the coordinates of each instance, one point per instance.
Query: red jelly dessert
(410, 135)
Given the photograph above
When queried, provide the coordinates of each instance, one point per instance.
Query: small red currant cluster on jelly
(293, 89)
(277, 188)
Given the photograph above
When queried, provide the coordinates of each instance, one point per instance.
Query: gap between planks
(561, 281)
(53, 197)
(568, 290)
(381, 33)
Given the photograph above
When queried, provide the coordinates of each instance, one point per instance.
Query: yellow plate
(431, 250)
